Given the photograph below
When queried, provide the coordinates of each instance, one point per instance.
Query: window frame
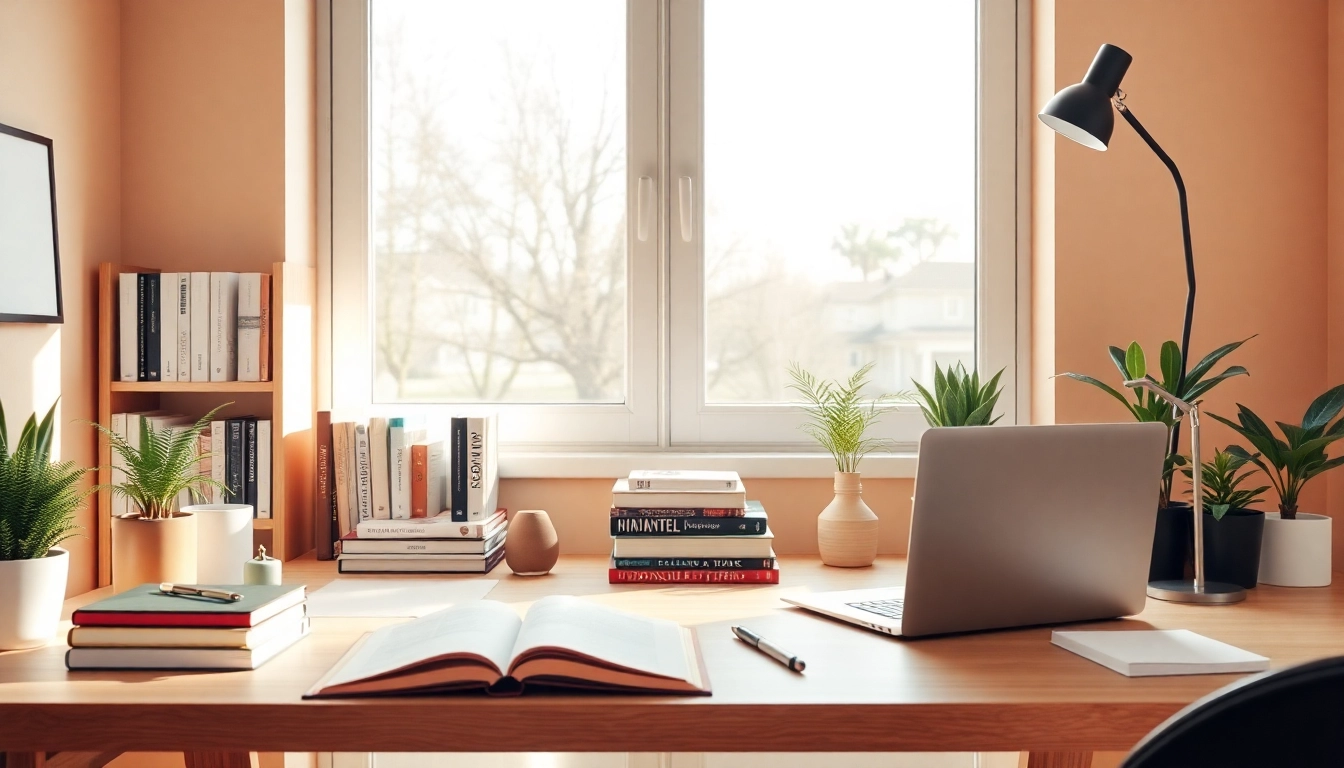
(664, 418)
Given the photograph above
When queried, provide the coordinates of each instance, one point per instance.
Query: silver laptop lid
(1014, 526)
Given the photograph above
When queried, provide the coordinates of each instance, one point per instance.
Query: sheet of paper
(393, 598)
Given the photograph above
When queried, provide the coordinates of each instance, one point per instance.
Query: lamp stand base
(1213, 592)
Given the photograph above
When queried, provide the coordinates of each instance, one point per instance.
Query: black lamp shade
(1082, 112)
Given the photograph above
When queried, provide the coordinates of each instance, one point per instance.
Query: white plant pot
(1296, 553)
(31, 594)
(223, 542)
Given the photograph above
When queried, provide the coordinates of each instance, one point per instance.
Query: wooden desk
(1001, 691)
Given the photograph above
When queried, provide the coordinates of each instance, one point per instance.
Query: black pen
(769, 649)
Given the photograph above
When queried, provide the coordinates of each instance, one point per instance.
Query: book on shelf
(342, 476)
(146, 606)
(263, 509)
(251, 638)
(266, 314)
(429, 477)
(223, 326)
(235, 456)
(421, 563)
(401, 436)
(684, 480)
(695, 563)
(474, 467)
(120, 504)
(622, 496)
(694, 546)
(200, 326)
(183, 326)
(363, 474)
(691, 576)
(168, 326)
(325, 522)
(750, 524)
(484, 645)
(249, 327)
(441, 526)
(186, 658)
(676, 512)
(152, 349)
(250, 463)
(379, 486)
(352, 544)
(128, 326)
(219, 460)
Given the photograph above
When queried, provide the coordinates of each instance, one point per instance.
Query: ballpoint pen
(216, 594)
(769, 649)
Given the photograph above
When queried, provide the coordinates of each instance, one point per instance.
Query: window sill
(613, 465)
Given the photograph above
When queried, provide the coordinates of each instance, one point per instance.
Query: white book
(264, 508)
(400, 438)
(168, 326)
(128, 322)
(223, 326)
(352, 473)
(622, 496)
(437, 527)
(381, 488)
(363, 473)
(200, 327)
(184, 326)
(694, 546)
(423, 546)
(184, 658)
(120, 505)
(340, 471)
(218, 459)
(436, 479)
(249, 326)
(684, 480)
(482, 467)
(420, 563)
(1142, 653)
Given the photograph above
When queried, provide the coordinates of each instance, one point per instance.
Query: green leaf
(1218, 510)
(1171, 365)
(1323, 409)
(1204, 366)
(1118, 358)
(1135, 364)
(1193, 393)
(1108, 389)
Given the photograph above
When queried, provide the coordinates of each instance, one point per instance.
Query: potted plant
(958, 399)
(837, 419)
(1232, 530)
(1173, 536)
(1296, 547)
(38, 500)
(157, 542)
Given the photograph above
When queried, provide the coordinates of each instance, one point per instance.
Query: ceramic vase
(532, 547)
(31, 595)
(847, 528)
(223, 541)
(1295, 553)
(153, 551)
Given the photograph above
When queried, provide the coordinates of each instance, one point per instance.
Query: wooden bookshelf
(287, 400)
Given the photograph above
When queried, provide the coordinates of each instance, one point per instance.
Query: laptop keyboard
(892, 609)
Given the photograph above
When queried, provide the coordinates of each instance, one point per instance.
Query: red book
(146, 606)
(641, 576)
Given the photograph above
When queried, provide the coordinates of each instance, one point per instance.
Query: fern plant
(958, 399)
(837, 415)
(163, 466)
(38, 499)
(1220, 482)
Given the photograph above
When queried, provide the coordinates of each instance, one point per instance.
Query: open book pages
(563, 641)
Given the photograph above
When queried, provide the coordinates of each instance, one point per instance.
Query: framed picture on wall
(30, 264)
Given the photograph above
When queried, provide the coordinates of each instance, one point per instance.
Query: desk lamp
(1198, 590)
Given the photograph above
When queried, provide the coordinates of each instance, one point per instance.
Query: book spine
(694, 564)
(205, 463)
(184, 326)
(436, 479)
(233, 464)
(482, 472)
(682, 484)
(219, 460)
(439, 529)
(223, 326)
(153, 327)
(363, 473)
(399, 470)
(128, 317)
(464, 548)
(249, 326)
(457, 468)
(675, 512)
(324, 503)
(200, 326)
(265, 347)
(264, 509)
(622, 576)
(120, 506)
(168, 326)
(378, 465)
(250, 464)
(687, 526)
(419, 480)
(340, 478)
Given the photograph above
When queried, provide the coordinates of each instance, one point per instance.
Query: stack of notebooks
(143, 628)
(436, 544)
(689, 527)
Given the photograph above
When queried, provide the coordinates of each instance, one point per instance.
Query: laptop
(1017, 526)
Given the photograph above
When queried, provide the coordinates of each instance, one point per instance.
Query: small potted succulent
(38, 500)
(958, 398)
(1232, 530)
(837, 419)
(1296, 548)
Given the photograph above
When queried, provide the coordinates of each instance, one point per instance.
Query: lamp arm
(1189, 256)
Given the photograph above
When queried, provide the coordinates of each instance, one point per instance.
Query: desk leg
(221, 759)
(1056, 760)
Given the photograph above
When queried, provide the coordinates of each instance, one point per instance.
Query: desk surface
(1008, 690)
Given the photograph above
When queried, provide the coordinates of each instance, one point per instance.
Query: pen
(217, 594)
(769, 649)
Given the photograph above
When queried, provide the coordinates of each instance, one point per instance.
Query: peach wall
(1234, 91)
(1335, 250)
(59, 65)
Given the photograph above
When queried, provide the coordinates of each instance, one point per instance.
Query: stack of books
(689, 527)
(143, 628)
(436, 544)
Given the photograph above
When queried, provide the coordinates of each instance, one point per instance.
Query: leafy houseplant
(1221, 483)
(837, 419)
(958, 399)
(1232, 543)
(38, 500)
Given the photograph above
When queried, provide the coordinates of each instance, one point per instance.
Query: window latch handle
(687, 208)
(643, 208)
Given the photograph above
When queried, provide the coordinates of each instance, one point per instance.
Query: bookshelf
(287, 400)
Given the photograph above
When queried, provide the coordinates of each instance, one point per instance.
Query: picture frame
(29, 249)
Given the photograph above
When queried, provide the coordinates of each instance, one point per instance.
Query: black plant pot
(1232, 547)
(1173, 541)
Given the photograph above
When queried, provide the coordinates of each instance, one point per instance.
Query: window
(616, 222)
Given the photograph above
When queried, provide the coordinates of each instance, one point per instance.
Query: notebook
(186, 658)
(485, 646)
(146, 606)
(249, 638)
(1143, 653)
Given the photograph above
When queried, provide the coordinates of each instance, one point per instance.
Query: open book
(564, 642)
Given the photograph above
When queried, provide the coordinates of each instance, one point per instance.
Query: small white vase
(1296, 553)
(223, 542)
(31, 595)
(847, 528)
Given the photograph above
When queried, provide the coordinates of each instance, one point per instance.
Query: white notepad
(1159, 652)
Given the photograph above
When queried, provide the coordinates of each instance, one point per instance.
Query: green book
(146, 606)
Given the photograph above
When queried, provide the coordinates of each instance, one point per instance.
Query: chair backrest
(1291, 717)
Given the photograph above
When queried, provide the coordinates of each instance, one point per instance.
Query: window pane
(499, 168)
(839, 184)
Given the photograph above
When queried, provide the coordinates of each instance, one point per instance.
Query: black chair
(1292, 718)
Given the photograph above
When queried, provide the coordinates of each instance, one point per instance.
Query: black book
(458, 468)
(250, 462)
(234, 440)
(141, 326)
(751, 524)
(153, 327)
(695, 563)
